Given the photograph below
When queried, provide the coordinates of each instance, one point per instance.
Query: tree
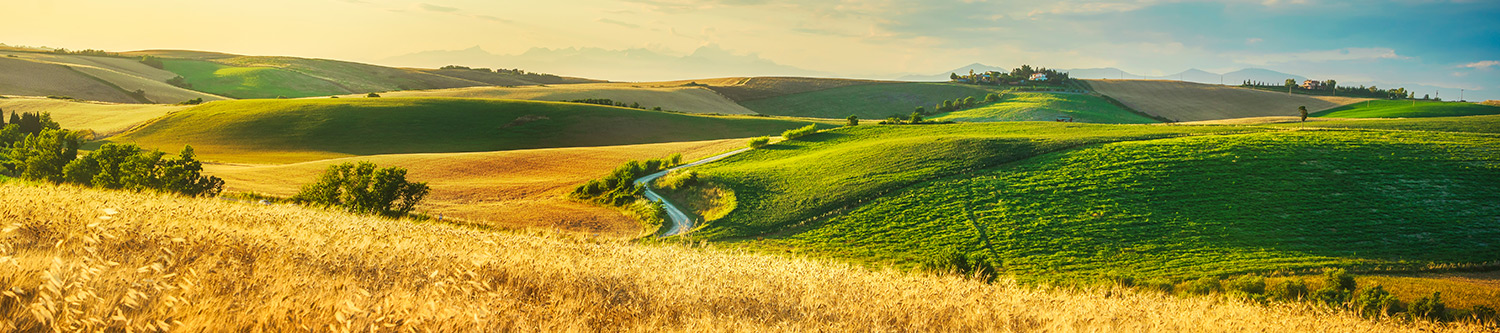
(991, 98)
(15, 118)
(916, 118)
(853, 120)
(921, 109)
(1290, 83)
(42, 156)
(1331, 84)
(152, 61)
(947, 106)
(361, 188)
(372, 95)
(1303, 111)
(969, 101)
(184, 175)
(953, 76)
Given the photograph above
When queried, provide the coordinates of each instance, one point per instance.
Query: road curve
(679, 220)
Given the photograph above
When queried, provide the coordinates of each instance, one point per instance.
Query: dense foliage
(619, 187)
(362, 188)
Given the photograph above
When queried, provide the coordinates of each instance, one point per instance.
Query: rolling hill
(690, 99)
(1029, 106)
(105, 119)
(868, 101)
(1408, 109)
(28, 78)
(118, 74)
(250, 82)
(516, 189)
(1185, 101)
(284, 131)
(177, 263)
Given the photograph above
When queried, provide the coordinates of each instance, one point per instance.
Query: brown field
(183, 54)
(29, 78)
(668, 97)
(126, 73)
(1263, 120)
(88, 260)
(105, 119)
(740, 89)
(514, 189)
(1187, 101)
(1491, 102)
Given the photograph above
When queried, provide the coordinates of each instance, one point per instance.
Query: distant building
(1312, 85)
(1039, 77)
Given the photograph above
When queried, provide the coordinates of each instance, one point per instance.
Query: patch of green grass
(870, 101)
(1025, 106)
(784, 184)
(1407, 109)
(250, 82)
(281, 131)
(1469, 124)
(1191, 206)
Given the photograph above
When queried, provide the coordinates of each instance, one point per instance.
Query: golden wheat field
(74, 259)
(104, 119)
(1188, 101)
(508, 189)
(673, 98)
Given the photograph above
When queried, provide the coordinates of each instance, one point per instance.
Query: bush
(153, 62)
(1203, 286)
(1430, 307)
(361, 188)
(372, 95)
(180, 82)
(42, 155)
(793, 134)
(126, 166)
(955, 262)
(1339, 279)
(677, 180)
(619, 188)
(194, 101)
(760, 142)
(1288, 290)
(853, 120)
(916, 118)
(1249, 286)
(992, 97)
(1375, 301)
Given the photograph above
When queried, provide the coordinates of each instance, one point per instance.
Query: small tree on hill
(853, 120)
(372, 95)
(1290, 83)
(969, 101)
(916, 118)
(1303, 111)
(992, 97)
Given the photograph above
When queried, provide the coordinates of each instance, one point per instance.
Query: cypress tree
(15, 118)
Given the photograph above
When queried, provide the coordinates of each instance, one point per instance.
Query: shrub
(793, 134)
(42, 155)
(1483, 314)
(194, 101)
(619, 188)
(1288, 290)
(853, 120)
(1203, 286)
(372, 95)
(955, 262)
(153, 62)
(1339, 279)
(992, 97)
(1248, 286)
(916, 118)
(1430, 307)
(1375, 301)
(361, 188)
(760, 142)
(677, 180)
(180, 82)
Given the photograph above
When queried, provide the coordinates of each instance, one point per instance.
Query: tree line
(38, 149)
(1331, 87)
(514, 71)
(1018, 76)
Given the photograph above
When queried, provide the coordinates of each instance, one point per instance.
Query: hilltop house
(1039, 77)
(1312, 85)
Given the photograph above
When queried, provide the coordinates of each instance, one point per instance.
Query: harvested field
(672, 98)
(104, 118)
(1187, 101)
(29, 78)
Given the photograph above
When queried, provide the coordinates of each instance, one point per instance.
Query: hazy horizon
(1438, 44)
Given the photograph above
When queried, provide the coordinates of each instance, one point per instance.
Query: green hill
(1198, 206)
(1408, 109)
(1028, 106)
(281, 131)
(250, 82)
(1469, 124)
(791, 182)
(868, 101)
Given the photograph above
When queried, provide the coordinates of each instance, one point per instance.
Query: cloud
(619, 23)
(435, 8)
(1344, 54)
(1482, 64)
(1253, 41)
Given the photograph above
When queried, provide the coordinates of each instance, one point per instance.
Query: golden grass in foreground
(163, 262)
(104, 118)
(1187, 101)
(508, 189)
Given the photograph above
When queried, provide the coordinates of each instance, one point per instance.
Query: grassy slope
(1408, 109)
(105, 119)
(250, 82)
(1023, 106)
(868, 101)
(1186, 101)
(127, 73)
(790, 182)
(1214, 205)
(513, 189)
(672, 98)
(183, 262)
(29, 78)
(280, 131)
(355, 77)
(1470, 124)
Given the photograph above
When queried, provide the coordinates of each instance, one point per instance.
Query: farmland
(1186, 101)
(668, 97)
(250, 82)
(516, 189)
(1408, 109)
(104, 119)
(125, 73)
(28, 78)
(156, 262)
(1029, 106)
(286, 131)
(868, 101)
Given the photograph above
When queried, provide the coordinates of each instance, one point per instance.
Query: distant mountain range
(619, 65)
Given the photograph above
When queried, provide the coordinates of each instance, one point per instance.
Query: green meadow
(869, 101)
(1408, 109)
(250, 82)
(1031, 106)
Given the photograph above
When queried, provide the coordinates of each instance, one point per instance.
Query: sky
(1447, 44)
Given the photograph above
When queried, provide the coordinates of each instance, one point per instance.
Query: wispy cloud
(436, 8)
(619, 23)
(1482, 64)
(440, 9)
(1344, 54)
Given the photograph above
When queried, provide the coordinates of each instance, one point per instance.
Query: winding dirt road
(679, 220)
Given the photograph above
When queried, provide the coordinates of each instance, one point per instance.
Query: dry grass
(1262, 120)
(740, 89)
(509, 189)
(86, 260)
(1460, 290)
(104, 118)
(669, 97)
(1187, 101)
(30, 78)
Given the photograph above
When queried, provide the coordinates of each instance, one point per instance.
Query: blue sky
(1435, 43)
